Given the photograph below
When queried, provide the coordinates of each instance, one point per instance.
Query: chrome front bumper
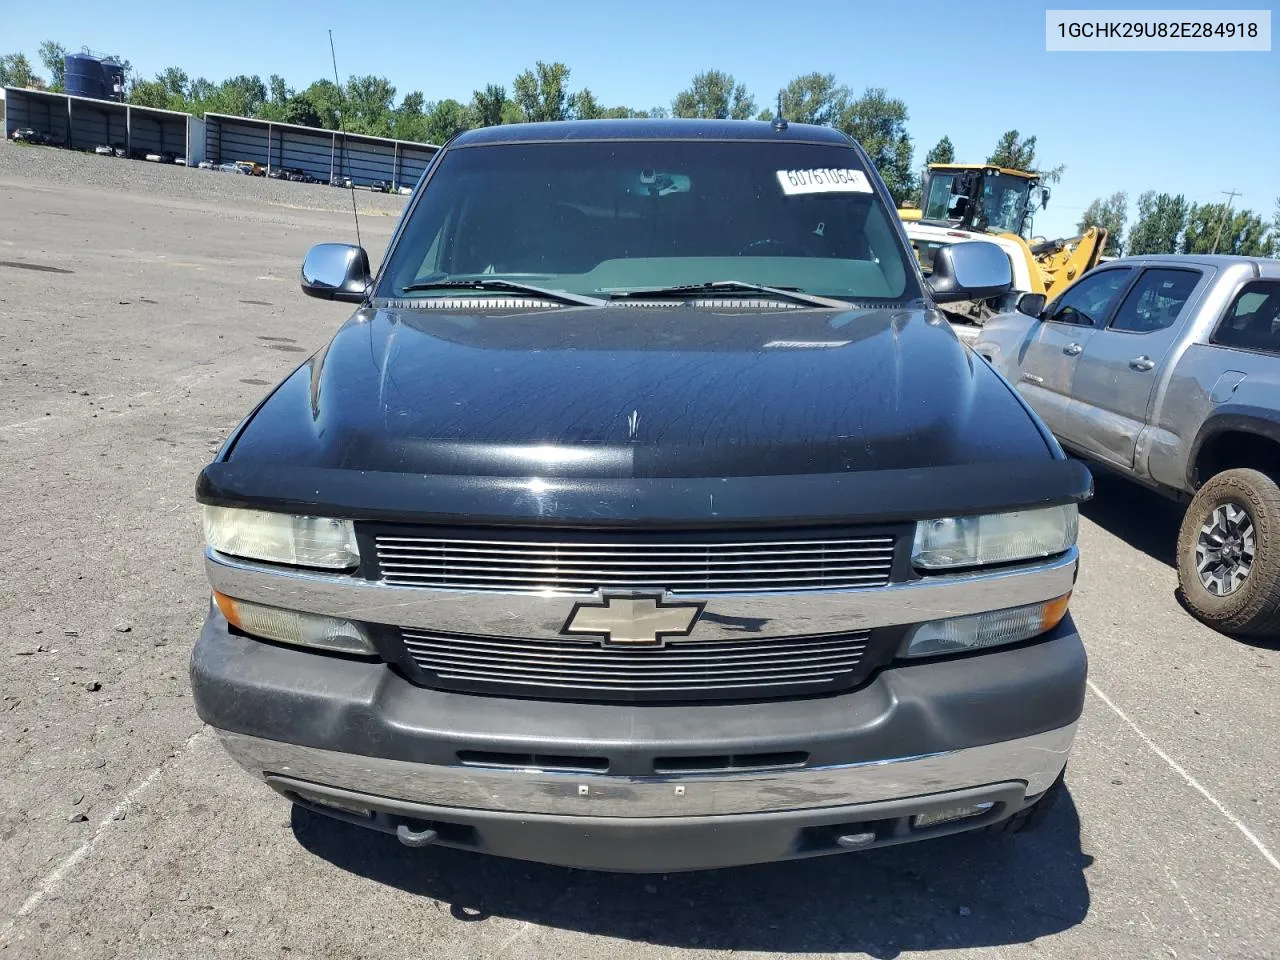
(1035, 761)
(724, 617)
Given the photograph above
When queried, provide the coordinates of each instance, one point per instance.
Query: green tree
(1017, 153)
(811, 98)
(1111, 214)
(241, 96)
(53, 56)
(149, 93)
(879, 123)
(511, 112)
(300, 109)
(1159, 224)
(714, 95)
(627, 113)
(15, 71)
(583, 105)
(488, 105)
(943, 152)
(201, 90)
(369, 105)
(324, 101)
(177, 85)
(541, 93)
(1014, 152)
(1216, 228)
(279, 95)
(445, 120)
(410, 118)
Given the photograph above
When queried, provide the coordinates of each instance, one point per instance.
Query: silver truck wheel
(1229, 553)
(1225, 549)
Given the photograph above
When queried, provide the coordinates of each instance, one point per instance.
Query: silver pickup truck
(1166, 369)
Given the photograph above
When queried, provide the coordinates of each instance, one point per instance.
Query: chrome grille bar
(685, 666)
(521, 565)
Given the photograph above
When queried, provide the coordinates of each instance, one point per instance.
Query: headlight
(291, 626)
(994, 537)
(993, 629)
(282, 538)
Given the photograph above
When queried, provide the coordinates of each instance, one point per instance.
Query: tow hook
(416, 838)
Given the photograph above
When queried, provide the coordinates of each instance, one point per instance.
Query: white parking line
(1191, 781)
(54, 878)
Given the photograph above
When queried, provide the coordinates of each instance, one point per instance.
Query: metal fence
(83, 123)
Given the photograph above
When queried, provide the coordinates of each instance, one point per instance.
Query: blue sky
(1191, 123)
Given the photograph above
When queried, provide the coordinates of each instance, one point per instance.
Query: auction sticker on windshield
(823, 180)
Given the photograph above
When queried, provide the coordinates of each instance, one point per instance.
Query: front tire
(1229, 554)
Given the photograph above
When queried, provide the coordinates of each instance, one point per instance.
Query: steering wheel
(785, 247)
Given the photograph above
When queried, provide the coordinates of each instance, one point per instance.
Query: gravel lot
(143, 311)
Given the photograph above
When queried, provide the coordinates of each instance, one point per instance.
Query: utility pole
(1231, 195)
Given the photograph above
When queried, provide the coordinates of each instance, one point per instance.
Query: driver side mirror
(1032, 304)
(974, 270)
(336, 271)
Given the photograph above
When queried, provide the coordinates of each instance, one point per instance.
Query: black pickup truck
(647, 515)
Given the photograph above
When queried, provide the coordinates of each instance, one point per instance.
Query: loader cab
(984, 199)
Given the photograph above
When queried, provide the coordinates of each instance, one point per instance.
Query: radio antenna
(342, 125)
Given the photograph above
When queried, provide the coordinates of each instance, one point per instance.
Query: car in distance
(380, 186)
(1166, 370)
(647, 515)
(29, 135)
(231, 168)
(205, 165)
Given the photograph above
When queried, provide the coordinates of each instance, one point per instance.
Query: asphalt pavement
(138, 324)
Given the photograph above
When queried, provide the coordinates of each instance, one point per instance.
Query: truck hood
(638, 392)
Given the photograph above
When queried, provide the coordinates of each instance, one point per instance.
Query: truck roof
(647, 129)
(1261, 266)
(1007, 171)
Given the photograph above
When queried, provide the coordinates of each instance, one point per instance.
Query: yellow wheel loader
(966, 202)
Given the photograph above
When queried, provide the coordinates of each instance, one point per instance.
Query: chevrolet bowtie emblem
(633, 620)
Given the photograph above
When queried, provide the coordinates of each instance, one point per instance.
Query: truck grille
(715, 668)
(747, 565)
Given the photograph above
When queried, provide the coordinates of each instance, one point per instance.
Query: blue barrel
(84, 76)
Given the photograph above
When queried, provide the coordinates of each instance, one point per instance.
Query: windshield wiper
(719, 286)
(507, 286)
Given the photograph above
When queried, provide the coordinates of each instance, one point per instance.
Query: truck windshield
(606, 217)
(1004, 206)
(1005, 202)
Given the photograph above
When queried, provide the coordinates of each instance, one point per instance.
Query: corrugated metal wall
(90, 127)
(323, 154)
(45, 114)
(159, 132)
(95, 122)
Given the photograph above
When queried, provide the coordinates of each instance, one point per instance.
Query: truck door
(1046, 371)
(1121, 365)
